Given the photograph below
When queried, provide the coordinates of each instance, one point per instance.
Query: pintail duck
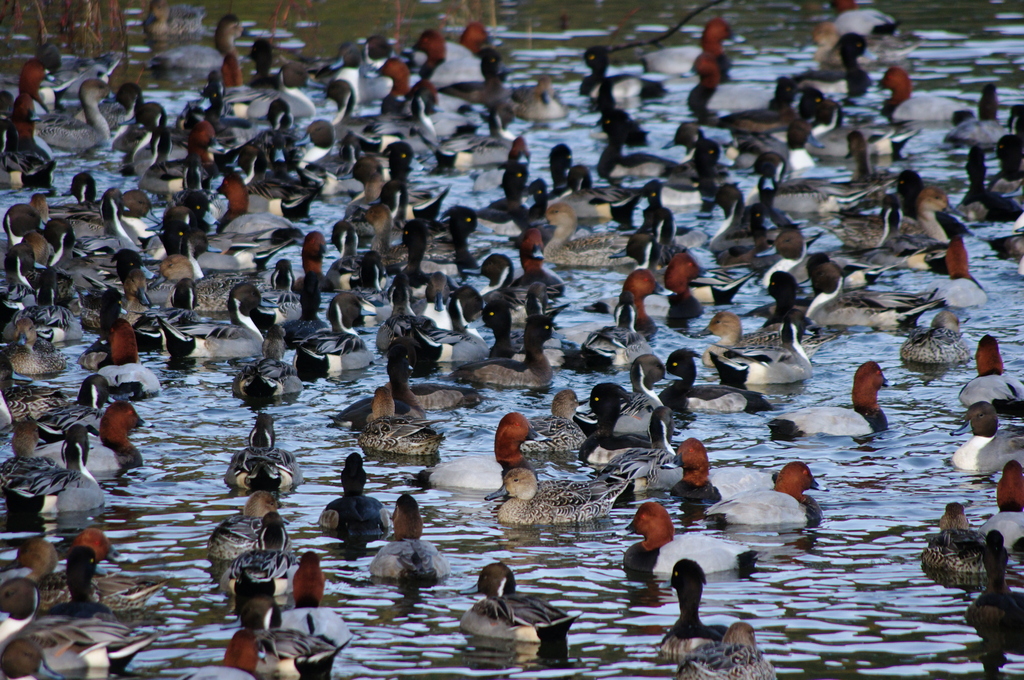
(112, 452)
(729, 329)
(534, 371)
(355, 513)
(408, 557)
(484, 471)
(957, 551)
(635, 413)
(866, 417)
(329, 352)
(558, 432)
(785, 505)
(765, 365)
(469, 151)
(700, 483)
(240, 533)
(997, 607)
(988, 449)
(645, 468)
(309, 617)
(1009, 521)
(589, 202)
(1004, 392)
(54, 322)
(505, 614)
(553, 501)
(267, 570)
(603, 443)
(284, 651)
(941, 343)
(261, 465)
(26, 402)
(387, 433)
(239, 339)
(850, 79)
(592, 251)
(683, 395)
(834, 307)
(269, 376)
(661, 548)
(126, 374)
(70, 645)
(30, 354)
(688, 633)
(56, 489)
(736, 656)
(834, 136)
(62, 131)
(618, 345)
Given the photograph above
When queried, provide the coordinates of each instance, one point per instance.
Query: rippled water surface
(845, 599)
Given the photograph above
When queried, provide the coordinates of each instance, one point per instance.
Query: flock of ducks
(98, 269)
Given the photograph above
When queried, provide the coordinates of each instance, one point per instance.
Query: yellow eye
(469, 219)
(597, 398)
(674, 364)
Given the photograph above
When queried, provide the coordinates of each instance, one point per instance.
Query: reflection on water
(843, 599)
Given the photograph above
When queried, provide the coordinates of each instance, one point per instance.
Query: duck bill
(538, 253)
(500, 494)
(960, 430)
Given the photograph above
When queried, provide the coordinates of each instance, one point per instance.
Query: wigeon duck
(998, 607)
(534, 371)
(786, 504)
(172, 21)
(941, 343)
(240, 533)
(862, 21)
(265, 570)
(261, 465)
(70, 488)
(309, 617)
(661, 548)
(355, 513)
(1004, 392)
(865, 418)
(834, 307)
(700, 482)
(623, 87)
(241, 338)
(985, 129)
(735, 656)
(558, 432)
(112, 644)
(241, 659)
(505, 614)
(957, 551)
(618, 345)
(980, 204)
(388, 433)
(1009, 521)
(683, 395)
(112, 452)
(688, 633)
(269, 376)
(902, 107)
(553, 501)
(678, 61)
(484, 471)
(126, 374)
(766, 365)
(988, 449)
(200, 57)
(284, 651)
(408, 557)
(32, 355)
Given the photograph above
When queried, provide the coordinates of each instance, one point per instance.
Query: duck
(867, 417)
(200, 57)
(445, 63)
(957, 549)
(710, 95)
(308, 321)
(330, 352)
(70, 488)
(265, 570)
(308, 617)
(728, 327)
(941, 343)
(779, 112)
(461, 343)
(834, 136)
(661, 549)
(980, 204)
(355, 513)
(736, 656)
(539, 102)
(767, 365)
(514, 432)
(126, 374)
(558, 432)
(1009, 521)
(32, 355)
(902, 107)
(506, 614)
(998, 607)
(786, 504)
(261, 465)
(172, 21)
(985, 129)
(604, 444)
(269, 376)
(284, 650)
(834, 307)
(61, 131)
(851, 19)
(851, 80)
(55, 322)
(531, 257)
(241, 659)
(112, 452)
(530, 502)
(700, 483)
(688, 633)
(81, 567)
(988, 449)
(683, 395)
(406, 401)
(613, 164)
(112, 644)
(618, 345)
(635, 413)
(470, 150)
(491, 91)
(1009, 151)
(623, 86)
(678, 61)
(1004, 392)
(87, 409)
(388, 433)
(239, 339)
(647, 467)
(240, 533)
(961, 289)
(534, 371)
(239, 219)
(591, 251)
(408, 557)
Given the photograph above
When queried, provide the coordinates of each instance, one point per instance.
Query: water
(845, 599)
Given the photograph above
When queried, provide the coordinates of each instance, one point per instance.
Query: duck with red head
(485, 471)
(785, 505)
(865, 418)
(238, 220)
(168, 177)
(308, 616)
(408, 557)
(1009, 521)
(1004, 392)
(679, 61)
(700, 482)
(126, 374)
(531, 257)
(902, 107)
